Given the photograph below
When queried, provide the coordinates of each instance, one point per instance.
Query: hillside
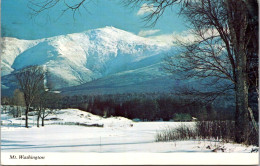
(105, 57)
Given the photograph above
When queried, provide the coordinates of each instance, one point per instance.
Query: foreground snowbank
(139, 138)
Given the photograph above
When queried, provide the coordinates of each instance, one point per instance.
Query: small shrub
(217, 130)
(180, 133)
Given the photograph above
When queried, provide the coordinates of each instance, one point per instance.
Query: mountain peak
(112, 33)
(110, 29)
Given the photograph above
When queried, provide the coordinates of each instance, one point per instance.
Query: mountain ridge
(79, 58)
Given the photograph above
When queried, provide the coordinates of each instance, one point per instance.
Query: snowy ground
(118, 134)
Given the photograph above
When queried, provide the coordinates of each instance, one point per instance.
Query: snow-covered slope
(69, 117)
(11, 49)
(79, 58)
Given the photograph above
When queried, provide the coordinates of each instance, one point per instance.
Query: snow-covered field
(118, 134)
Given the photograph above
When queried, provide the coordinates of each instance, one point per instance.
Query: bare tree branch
(38, 6)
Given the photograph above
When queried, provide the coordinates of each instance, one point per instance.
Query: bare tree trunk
(238, 24)
(253, 119)
(20, 113)
(17, 112)
(43, 116)
(26, 116)
(38, 121)
(38, 118)
(42, 121)
(242, 119)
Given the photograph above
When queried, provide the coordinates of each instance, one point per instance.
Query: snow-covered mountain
(105, 57)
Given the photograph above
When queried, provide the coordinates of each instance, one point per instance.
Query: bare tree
(45, 104)
(240, 36)
(38, 105)
(31, 83)
(226, 41)
(45, 113)
(49, 104)
(18, 100)
(204, 57)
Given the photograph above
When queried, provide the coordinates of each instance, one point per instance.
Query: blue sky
(17, 21)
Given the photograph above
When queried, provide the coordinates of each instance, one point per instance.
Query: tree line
(144, 106)
(152, 109)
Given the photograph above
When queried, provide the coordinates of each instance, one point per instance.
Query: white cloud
(144, 33)
(166, 38)
(145, 8)
(186, 36)
(171, 39)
